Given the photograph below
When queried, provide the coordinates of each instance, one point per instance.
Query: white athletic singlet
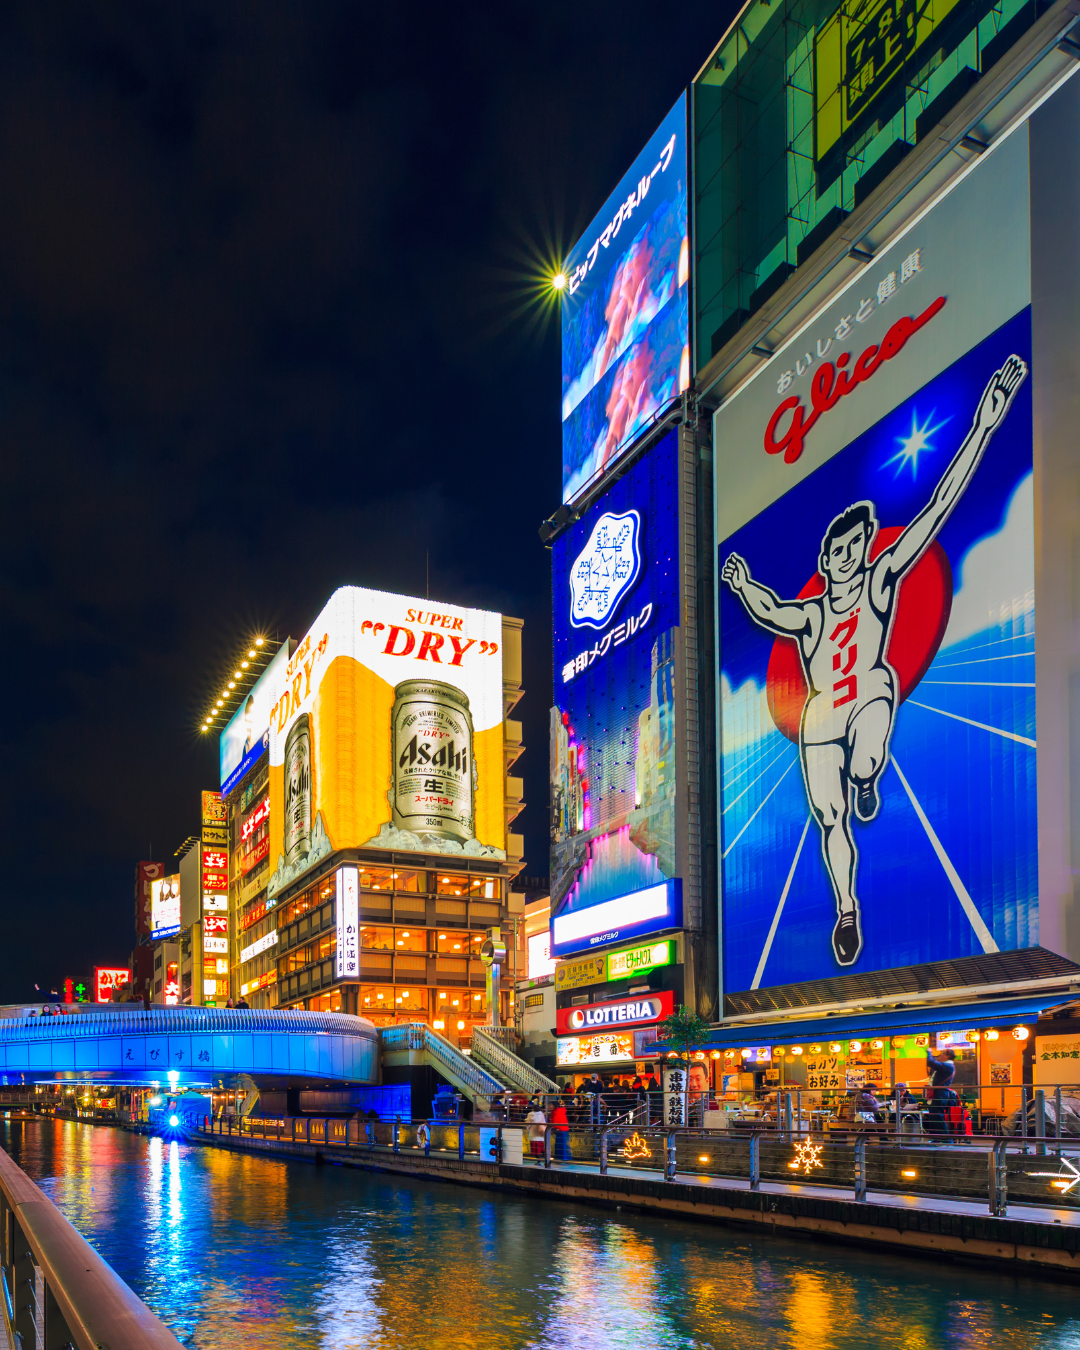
(847, 668)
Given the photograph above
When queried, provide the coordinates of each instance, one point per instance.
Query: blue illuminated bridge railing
(125, 1043)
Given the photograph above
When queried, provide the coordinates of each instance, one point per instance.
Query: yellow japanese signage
(576, 974)
(860, 55)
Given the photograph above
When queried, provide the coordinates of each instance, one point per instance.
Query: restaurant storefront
(608, 1037)
(997, 1048)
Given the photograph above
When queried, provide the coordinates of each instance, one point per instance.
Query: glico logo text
(828, 386)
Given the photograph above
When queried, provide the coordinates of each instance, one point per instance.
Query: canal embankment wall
(1033, 1243)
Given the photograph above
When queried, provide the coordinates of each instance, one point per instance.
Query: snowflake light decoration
(807, 1157)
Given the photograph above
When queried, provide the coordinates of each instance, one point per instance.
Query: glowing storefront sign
(638, 960)
(260, 945)
(348, 923)
(165, 907)
(622, 1012)
(108, 978)
(611, 1046)
(540, 962)
(641, 911)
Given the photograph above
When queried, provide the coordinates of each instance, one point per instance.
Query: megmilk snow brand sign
(613, 743)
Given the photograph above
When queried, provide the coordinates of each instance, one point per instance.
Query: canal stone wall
(920, 1226)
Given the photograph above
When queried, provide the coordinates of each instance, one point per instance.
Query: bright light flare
(558, 281)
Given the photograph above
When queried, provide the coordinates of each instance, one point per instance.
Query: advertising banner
(146, 873)
(612, 743)
(108, 978)
(388, 733)
(876, 620)
(165, 907)
(213, 810)
(347, 960)
(625, 326)
(247, 736)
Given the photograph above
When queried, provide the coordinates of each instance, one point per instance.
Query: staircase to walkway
(415, 1043)
(492, 1048)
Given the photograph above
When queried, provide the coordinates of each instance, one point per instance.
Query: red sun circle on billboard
(922, 615)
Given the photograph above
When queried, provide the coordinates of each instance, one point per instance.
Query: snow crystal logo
(605, 569)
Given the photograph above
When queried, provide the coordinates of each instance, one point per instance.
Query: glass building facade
(801, 111)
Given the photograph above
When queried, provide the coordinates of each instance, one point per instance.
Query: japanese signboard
(825, 1072)
(860, 57)
(213, 809)
(165, 907)
(613, 741)
(606, 1046)
(348, 923)
(108, 978)
(578, 974)
(146, 873)
(625, 313)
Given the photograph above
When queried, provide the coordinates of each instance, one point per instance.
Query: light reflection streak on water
(235, 1251)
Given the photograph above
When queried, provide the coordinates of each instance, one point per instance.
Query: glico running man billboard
(613, 755)
(625, 327)
(876, 620)
(387, 731)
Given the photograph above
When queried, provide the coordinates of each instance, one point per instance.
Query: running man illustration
(843, 639)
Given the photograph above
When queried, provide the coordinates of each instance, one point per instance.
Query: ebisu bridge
(196, 1047)
(273, 1050)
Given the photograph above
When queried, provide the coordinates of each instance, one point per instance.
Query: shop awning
(894, 1021)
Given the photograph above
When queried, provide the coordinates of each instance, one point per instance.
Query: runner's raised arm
(786, 618)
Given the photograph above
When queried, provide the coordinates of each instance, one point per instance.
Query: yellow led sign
(860, 54)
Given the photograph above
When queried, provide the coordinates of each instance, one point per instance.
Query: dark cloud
(262, 333)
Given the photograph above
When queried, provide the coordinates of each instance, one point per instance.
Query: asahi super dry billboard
(387, 731)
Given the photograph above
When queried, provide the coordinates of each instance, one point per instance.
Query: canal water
(242, 1253)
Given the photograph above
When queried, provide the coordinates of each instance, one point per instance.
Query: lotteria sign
(634, 1012)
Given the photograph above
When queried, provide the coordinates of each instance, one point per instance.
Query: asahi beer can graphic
(298, 790)
(433, 770)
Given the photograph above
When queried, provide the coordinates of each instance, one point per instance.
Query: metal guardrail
(995, 1171)
(133, 1018)
(417, 1036)
(516, 1072)
(57, 1292)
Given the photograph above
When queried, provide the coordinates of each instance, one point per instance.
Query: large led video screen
(877, 639)
(387, 732)
(613, 740)
(625, 327)
(247, 735)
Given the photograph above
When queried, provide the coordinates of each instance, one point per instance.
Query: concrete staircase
(414, 1043)
(491, 1048)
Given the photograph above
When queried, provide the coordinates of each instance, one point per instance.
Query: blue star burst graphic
(914, 444)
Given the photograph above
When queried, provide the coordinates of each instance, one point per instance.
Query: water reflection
(238, 1251)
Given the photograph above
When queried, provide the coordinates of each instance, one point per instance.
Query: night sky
(265, 330)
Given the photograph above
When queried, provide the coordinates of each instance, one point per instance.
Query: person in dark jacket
(941, 1071)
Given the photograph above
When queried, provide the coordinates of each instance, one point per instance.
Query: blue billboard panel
(612, 743)
(625, 312)
(877, 685)
(246, 738)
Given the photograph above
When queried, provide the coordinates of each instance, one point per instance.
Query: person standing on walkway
(940, 1094)
(536, 1122)
(561, 1127)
